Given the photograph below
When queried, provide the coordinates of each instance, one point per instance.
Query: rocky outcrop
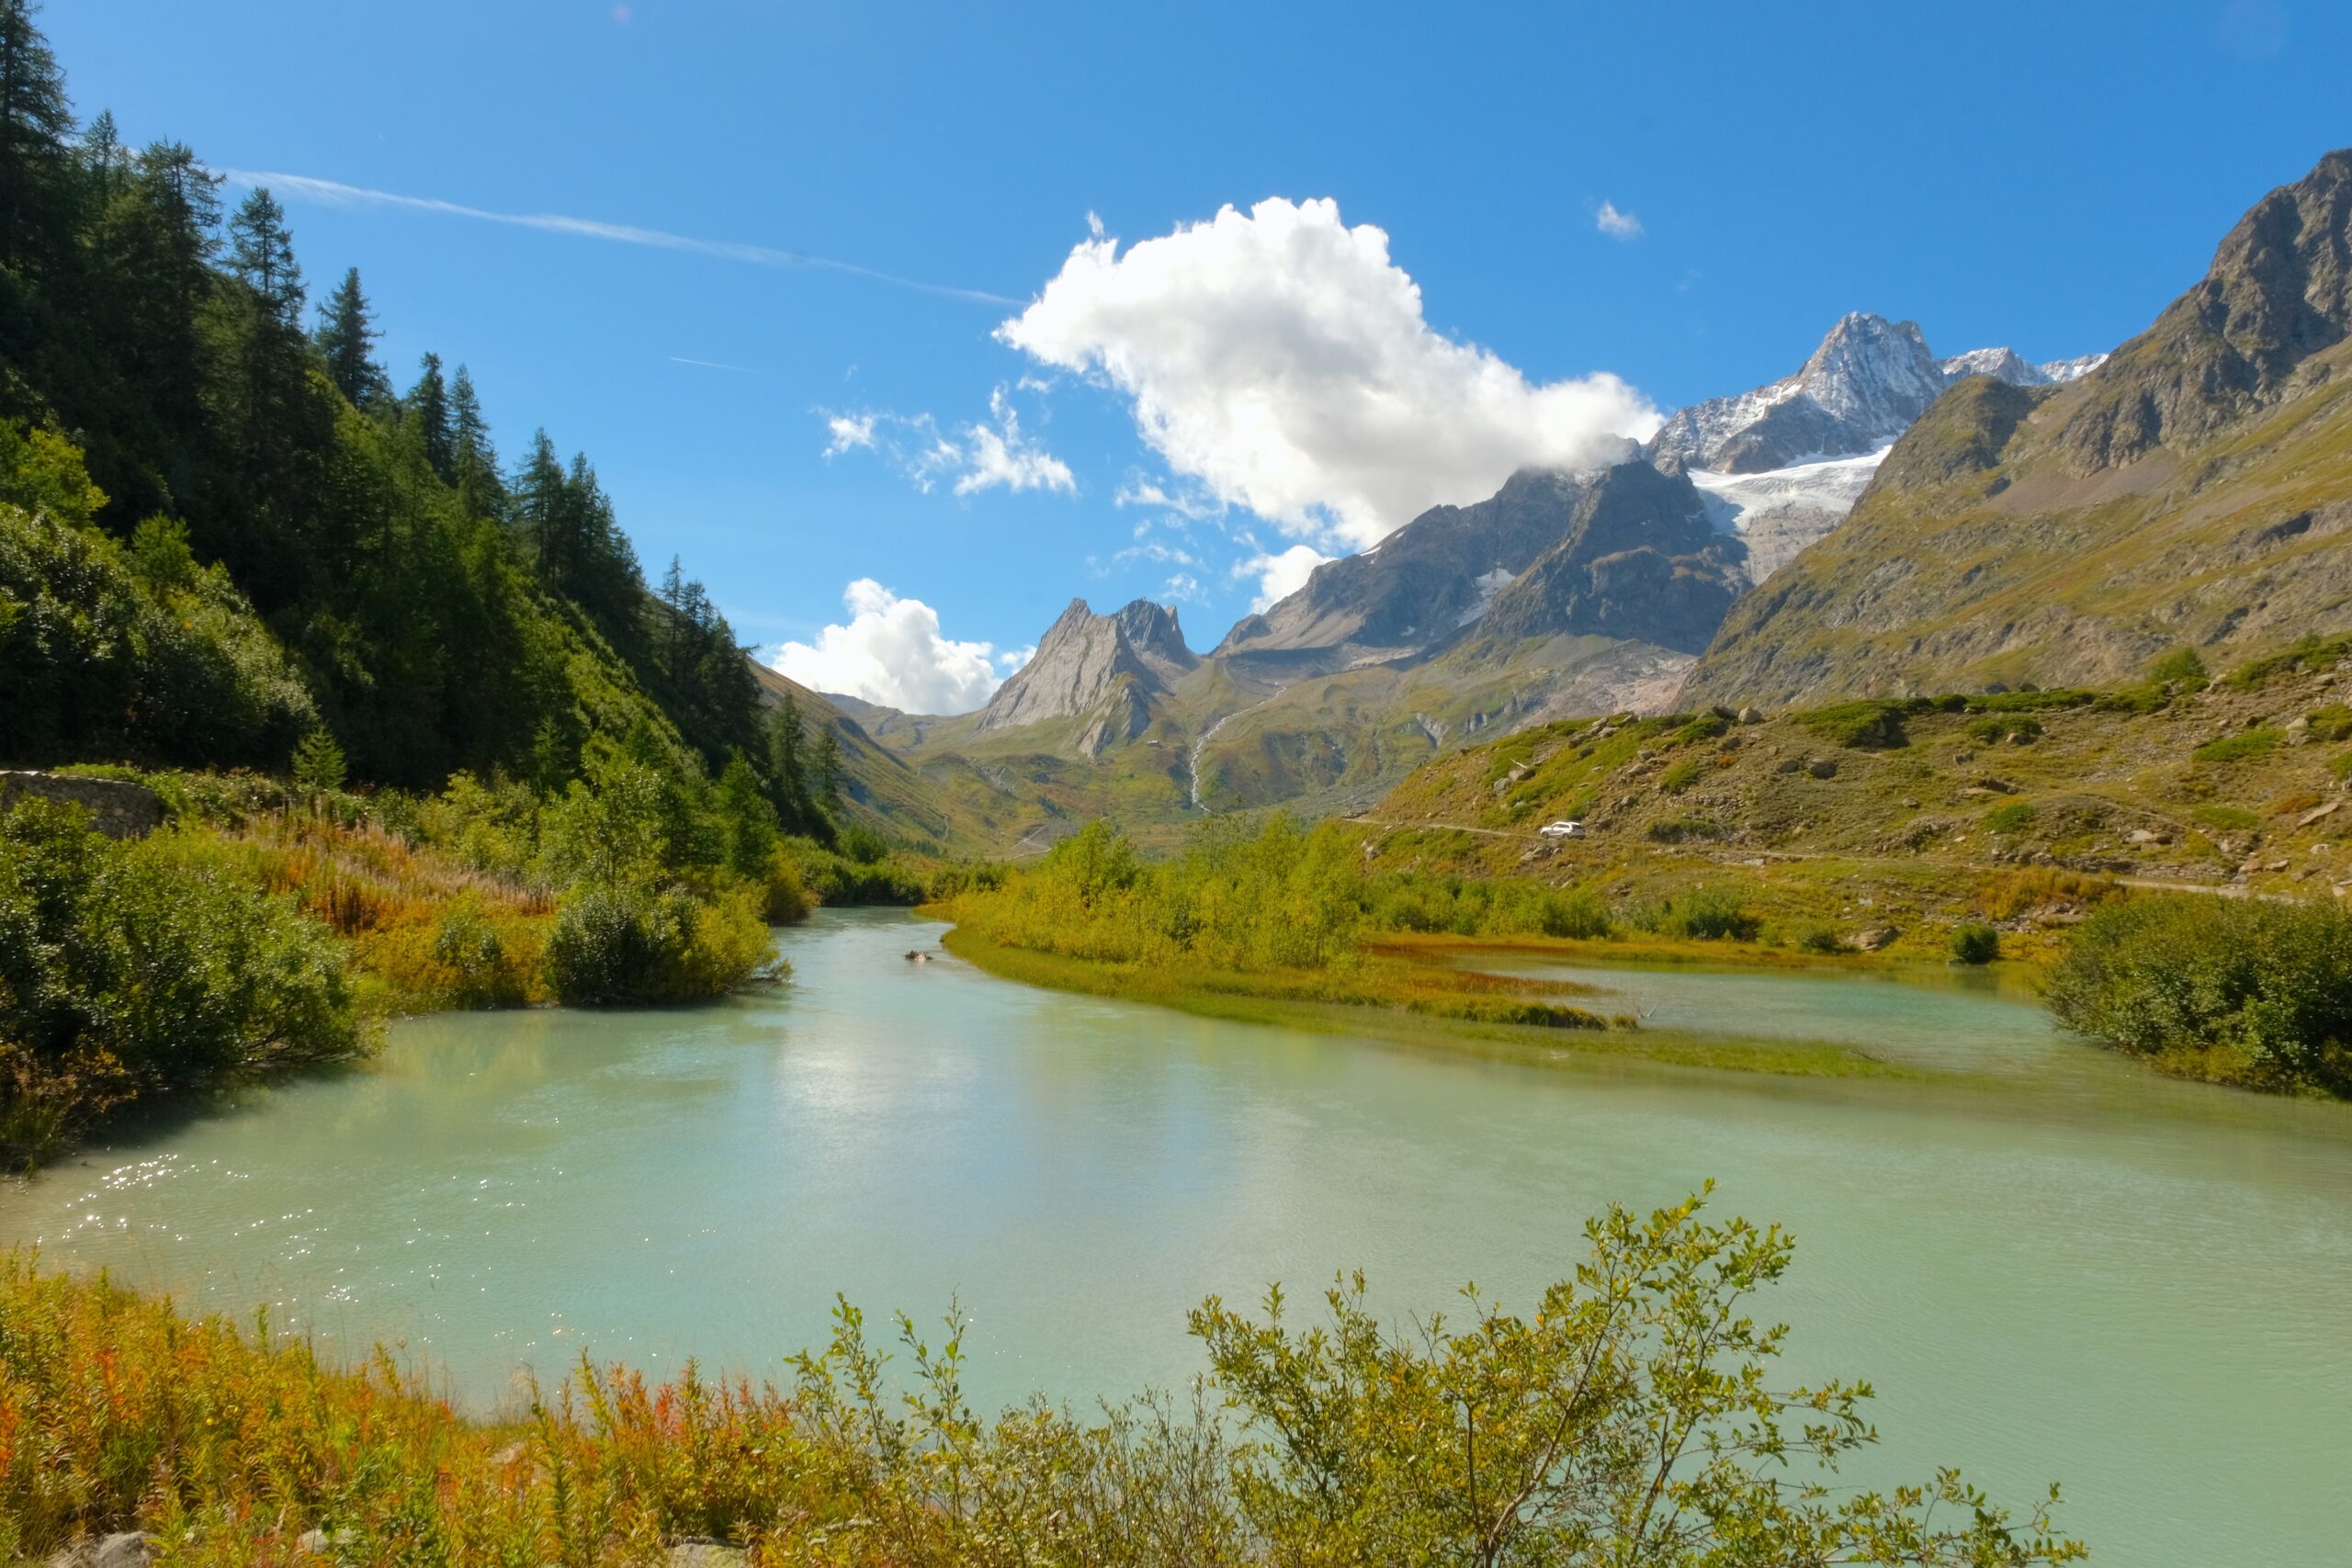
(116, 807)
(1417, 588)
(1636, 557)
(1084, 658)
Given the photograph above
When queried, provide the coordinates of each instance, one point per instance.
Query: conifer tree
(473, 456)
(34, 118)
(347, 337)
(428, 404)
(261, 253)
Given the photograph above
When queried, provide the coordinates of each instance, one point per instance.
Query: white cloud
(891, 653)
(1282, 360)
(850, 432)
(1615, 224)
(1184, 586)
(977, 457)
(1278, 576)
(1012, 658)
(1001, 456)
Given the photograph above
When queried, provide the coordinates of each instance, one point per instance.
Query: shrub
(1871, 724)
(2331, 723)
(1820, 939)
(1683, 776)
(2253, 742)
(2180, 665)
(2226, 818)
(1676, 831)
(133, 968)
(623, 946)
(2244, 990)
(2009, 816)
(1995, 729)
(861, 845)
(1975, 943)
(1707, 915)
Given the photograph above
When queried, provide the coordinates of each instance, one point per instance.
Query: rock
(1787, 766)
(2317, 813)
(116, 807)
(1751, 716)
(2147, 835)
(1910, 803)
(705, 1553)
(1822, 768)
(324, 1543)
(127, 1550)
(1137, 651)
(1875, 937)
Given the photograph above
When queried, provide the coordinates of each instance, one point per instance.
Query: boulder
(128, 1549)
(1875, 937)
(116, 807)
(705, 1553)
(1822, 768)
(1751, 716)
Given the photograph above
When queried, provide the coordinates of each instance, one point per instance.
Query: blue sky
(2045, 177)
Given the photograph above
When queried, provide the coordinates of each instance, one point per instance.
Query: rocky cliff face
(1084, 658)
(1419, 587)
(1636, 557)
(2196, 487)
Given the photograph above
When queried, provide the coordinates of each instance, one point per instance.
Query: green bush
(2244, 990)
(625, 945)
(2331, 723)
(1975, 943)
(1995, 729)
(2009, 816)
(2246, 743)
(1683, 776)
(1871, 724)
(1707, 915)
(2180, 665)
(129, 969)
(1678, 829)
(1820, 939)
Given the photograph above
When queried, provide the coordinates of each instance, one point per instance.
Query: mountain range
(1880, 520)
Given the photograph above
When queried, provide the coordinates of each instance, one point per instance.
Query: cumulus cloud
(1615, 224)
(1281, 360)
(1279, 575)
(975, 456)
(891, 652)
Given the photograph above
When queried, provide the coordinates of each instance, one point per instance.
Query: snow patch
(1494, 583)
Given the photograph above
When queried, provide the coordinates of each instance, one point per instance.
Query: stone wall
(116, 807)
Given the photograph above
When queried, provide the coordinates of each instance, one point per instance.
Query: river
(2052, 1265)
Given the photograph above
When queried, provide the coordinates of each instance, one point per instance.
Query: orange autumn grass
(428, 928)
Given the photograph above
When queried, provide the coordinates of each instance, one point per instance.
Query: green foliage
(2244, 990)
(1680, 830)
(1975, 943)
(1995, 729)
(2331, 722)
(1636, 1417)
(2252, 743)
(2311, 653)
(2009, 816)
(1706, 915)
(629, 944)
(2227, 819)
(318, 762)
(1869, 724)
(861, 845)
(1706, 726)
(138, 968)
(1683, 776)
(1820, 939)
(2179, 666)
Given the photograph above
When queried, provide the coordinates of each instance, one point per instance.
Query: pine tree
(428, 404)
(473, 458)
(261, 253)
(347, 337)
(34, 117)
(106, 162)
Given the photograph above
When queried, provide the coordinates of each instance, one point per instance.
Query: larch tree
(428, 405)
(347, 337)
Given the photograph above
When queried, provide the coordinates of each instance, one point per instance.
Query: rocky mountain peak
(1085, 657)
(1872, 373)
(2279, 291)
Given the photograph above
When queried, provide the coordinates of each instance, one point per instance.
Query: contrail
(711, 365)
(336, 193)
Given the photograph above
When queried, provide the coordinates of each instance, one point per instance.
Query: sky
(902, 326)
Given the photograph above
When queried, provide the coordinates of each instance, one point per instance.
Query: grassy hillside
(1914, 816)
